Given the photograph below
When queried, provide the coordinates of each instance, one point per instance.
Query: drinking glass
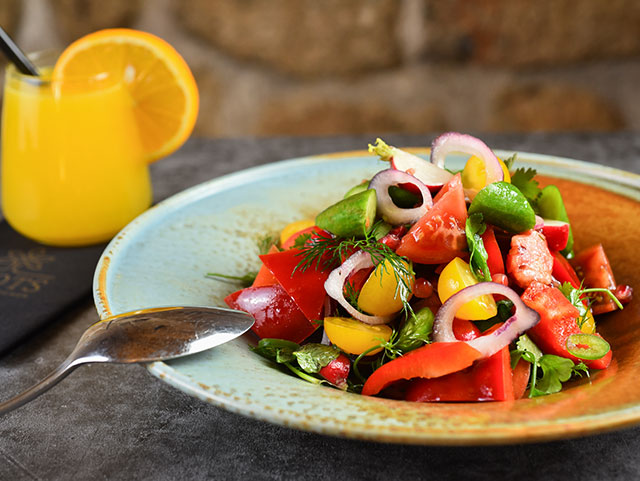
(73, 167)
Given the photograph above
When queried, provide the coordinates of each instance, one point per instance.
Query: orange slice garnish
(163, 91)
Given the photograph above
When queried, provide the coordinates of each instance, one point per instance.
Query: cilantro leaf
(524, 180)
(313, 357)
(265, 242)
(555, 371)
(474, 227)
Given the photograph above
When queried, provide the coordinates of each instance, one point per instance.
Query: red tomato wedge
(305, 287)
(488, 379)
(275, 312)
(563, 272)
(521, 374)
(430, 361)
(557, 322)
(593, 266)
(439, 236)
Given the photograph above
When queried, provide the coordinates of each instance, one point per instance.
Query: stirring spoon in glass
(147, 335)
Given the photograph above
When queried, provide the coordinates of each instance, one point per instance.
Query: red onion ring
(334, 286)
(522, 320)
(429, 174)
(539, 223)
(390, 212)
(455, 142)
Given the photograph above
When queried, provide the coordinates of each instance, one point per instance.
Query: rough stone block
(540, 107)
(303, 37)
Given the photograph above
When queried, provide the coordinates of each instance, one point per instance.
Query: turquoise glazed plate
(162, 257)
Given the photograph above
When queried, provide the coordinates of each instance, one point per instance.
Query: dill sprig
(329, 252)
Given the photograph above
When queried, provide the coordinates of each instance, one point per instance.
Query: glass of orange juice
(74, 171)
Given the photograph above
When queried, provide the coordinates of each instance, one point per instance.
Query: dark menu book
(39, 283)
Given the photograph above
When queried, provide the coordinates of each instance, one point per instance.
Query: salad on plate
(427, 285)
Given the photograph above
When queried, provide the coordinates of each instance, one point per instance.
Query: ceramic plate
(162, 257)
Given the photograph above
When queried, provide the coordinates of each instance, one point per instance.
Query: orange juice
(73, 167)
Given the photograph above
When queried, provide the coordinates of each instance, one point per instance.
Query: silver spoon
(146, 335)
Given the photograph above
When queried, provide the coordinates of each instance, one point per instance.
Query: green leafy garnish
(278, 350)
(474, 227)
(244, 281)
(313, 357)
(510, 161)
(555, 369)
(575, 297)
(415, 332)
(524, 180)
(265, 242)
(301, 240)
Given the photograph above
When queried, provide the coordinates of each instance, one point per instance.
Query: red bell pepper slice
(439, 236)
(557, 322)
(306, 287)
(494, 259)
(264, 276)
(488, 379)
(430, 361)
(275, 312)
(593, 266)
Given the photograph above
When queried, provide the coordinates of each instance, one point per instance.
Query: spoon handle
(62, 371)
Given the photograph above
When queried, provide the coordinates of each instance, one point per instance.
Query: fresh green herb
(415, 332)
(286, 353)
(278, 350)
(524, 180)
(313, 357)
(575, 297)
(351, 294)
(510, 161)
(301, 240)
(555, 369)
(474, 227)
(329, 252)
(244, 281)
(265, 242)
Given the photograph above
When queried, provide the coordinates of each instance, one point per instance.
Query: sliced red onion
(390, 212)
(429, 174)
(334, 286)
(450, 142)
(522, 320)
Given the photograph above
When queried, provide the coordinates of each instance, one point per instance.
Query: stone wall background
(305, 67)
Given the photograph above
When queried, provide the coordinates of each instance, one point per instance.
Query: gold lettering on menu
(20, 272)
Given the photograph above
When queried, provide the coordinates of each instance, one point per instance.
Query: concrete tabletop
(120, 423)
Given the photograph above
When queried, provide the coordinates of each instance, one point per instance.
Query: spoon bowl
(146, 335)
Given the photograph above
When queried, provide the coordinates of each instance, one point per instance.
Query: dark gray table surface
(119, 422)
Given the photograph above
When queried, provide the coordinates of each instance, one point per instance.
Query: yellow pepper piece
(294, 227)
(456, 276)
(380, 295)
(589, 324)
(355, 337)
(474, 175)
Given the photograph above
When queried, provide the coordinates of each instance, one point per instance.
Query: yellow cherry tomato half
(355, 337)
(456, 276)
(381, 295)
(294, 227)
(474, 175)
